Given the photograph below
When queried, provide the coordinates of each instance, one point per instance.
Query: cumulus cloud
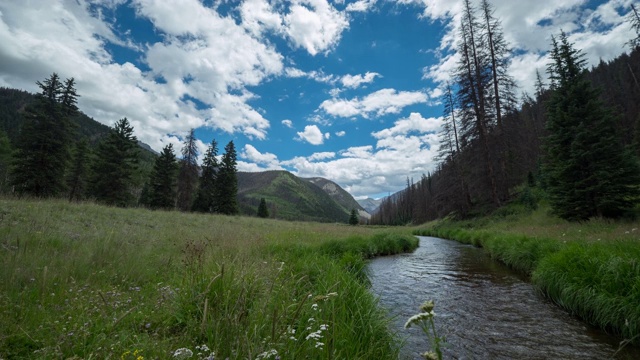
(361, 5)
(381, 102)
(415, 123)
(288, 123)
(312, 135)
(528, 27)
(341, 133)
(265, 161)
(314, 25)
(354, 81)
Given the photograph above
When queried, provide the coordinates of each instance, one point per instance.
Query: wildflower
(268, 354)
(314, 307)
(430, 355)
(182, 353)
(417, 318)
(427, 306)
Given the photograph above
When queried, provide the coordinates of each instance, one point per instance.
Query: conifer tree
(353, 218)
(263, 212)
(634, 19)
(43, 147)
(205, 196)
(77, 177)
(114, 166)
(5, 160)
(588, 172)
(227, 182)
(162, 182)
(188, 176)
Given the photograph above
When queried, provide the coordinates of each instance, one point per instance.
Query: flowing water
(484, 310)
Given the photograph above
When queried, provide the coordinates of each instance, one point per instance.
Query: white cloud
(354, 81)
(361, 5)
(415, 123)
(318, 76)
(288, 123)
(321, 156)
(341, 133)
(312, 135)
(265, 161)
(203, 56)
(528, 27)
(314, 25)
(381, 102)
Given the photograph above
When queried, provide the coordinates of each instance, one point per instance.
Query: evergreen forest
(49, 149)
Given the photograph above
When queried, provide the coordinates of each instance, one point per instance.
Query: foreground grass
(92, 282)
(591, 269)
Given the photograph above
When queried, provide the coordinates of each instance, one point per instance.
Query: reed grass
(93, 282)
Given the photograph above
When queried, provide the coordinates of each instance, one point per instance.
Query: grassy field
(91, 282)
(592, 268)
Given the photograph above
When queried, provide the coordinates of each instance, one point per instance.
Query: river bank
(95, 282)
(591, 269)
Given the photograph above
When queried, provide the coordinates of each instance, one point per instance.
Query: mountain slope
(338, 194)
(288, 197)
(370, 205)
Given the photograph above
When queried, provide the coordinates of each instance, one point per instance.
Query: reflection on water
(484, 310)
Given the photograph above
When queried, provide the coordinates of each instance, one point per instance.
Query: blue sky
(345, 90)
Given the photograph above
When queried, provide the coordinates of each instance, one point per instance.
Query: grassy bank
(92, 282)
(592, 269)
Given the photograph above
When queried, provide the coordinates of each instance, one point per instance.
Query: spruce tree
(40, 161)
(77, 177)
(353, 218)
(188, 176)
(162, 182)
(634, 20)
(205, 196)
(263, 212)
(227, 182)
(589, 173)
(114, 166)
(5, 160)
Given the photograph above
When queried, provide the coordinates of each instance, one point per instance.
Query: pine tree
(205, 196)
(353, 218)
(188, 176)
(162, 182)
(634, 19)
(473, 77)
(227, 183)
(5, 160)
(114, 166)
(263, 212)
(40, 161)
(77, 177)
(588, 172)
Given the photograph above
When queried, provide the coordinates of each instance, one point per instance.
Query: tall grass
(592, 269)
(104, 283)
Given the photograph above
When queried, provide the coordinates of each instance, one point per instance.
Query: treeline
(578, 143)
(48, 158)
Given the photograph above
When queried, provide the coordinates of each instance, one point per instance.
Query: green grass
(592, 268)
(92, 282)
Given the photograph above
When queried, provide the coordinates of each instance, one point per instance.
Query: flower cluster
(424, 320)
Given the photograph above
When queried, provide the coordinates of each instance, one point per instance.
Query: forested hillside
(494, 147)
(288, 197)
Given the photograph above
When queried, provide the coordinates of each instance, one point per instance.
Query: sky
(345, 90)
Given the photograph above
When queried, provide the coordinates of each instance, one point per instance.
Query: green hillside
(288, 197)
(338, 194)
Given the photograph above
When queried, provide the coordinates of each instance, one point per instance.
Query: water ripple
(485, 310)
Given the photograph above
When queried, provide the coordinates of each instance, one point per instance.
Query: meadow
(590, 268)
(83, 281)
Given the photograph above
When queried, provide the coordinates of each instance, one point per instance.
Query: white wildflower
(182, 353)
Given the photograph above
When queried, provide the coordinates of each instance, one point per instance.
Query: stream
(484, 309)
